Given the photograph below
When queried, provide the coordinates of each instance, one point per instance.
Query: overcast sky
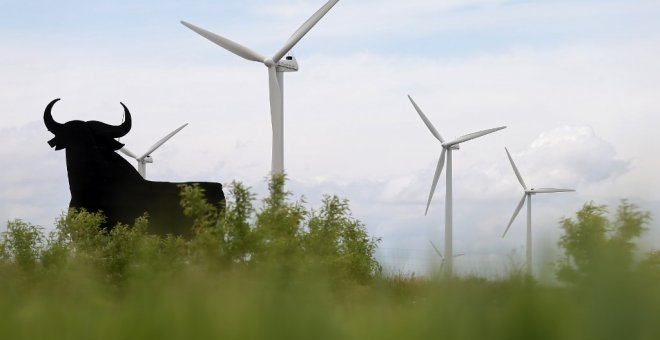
(577, 83)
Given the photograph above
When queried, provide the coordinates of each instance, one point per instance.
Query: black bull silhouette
(100, 180)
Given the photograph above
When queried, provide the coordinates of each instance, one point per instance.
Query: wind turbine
(276, 67)
(527, 195)
(146, 157)
(447, 148)
(442, 258)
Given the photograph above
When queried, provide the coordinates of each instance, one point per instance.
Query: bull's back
(165, 211)
(212, 191)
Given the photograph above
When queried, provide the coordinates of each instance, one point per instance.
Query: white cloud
(578, 115)
(570, 156)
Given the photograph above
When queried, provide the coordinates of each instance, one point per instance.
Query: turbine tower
(447, 148)
(527, 195)
(146, 157)
(276, 67)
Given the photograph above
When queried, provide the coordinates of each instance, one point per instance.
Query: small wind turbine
(447, 148)
(146, 157)
(442, 258)
(276, 67)
(528, 194)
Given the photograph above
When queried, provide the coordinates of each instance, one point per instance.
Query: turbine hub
(269, 62)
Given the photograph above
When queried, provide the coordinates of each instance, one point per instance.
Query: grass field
(196, 304)
(319, 282)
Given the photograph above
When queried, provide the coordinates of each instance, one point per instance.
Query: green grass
(285, 272)
(197, 304)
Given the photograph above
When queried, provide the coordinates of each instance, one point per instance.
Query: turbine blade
(162, 141)
(304, 28)
(515, 213)
(438, 171)
(515, 169)
(473, 135)
(426, 121)
(128, 152)
(551, 190)
(227, 44)
(436, 249)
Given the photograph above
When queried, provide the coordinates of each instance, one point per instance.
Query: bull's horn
(117, 131)
(126, 125)
(50, 123)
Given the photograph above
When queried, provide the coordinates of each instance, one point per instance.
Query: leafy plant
(21, 244)
(227, 282)
(593, 245)
(283, 235)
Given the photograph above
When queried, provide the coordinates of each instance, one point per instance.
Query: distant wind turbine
(442, 258)
(146, 157)
(447, 148)
(276, 67)
(528, 194)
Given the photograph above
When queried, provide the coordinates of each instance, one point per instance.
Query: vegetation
(285, 271)
(595, 246)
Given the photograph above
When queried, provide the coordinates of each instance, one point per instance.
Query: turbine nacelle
(287, 64)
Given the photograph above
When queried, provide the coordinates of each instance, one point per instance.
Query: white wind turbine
(442, 258)
(146, 157)
(276, 67)
(447, 148)
(528, 195)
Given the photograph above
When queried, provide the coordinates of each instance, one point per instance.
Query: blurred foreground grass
(288, 273)
(196, 304)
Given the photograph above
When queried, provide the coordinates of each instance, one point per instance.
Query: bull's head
(79, 133)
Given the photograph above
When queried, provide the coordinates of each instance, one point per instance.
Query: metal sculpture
(100, 180)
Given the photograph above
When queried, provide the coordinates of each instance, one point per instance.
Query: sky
(575, 82)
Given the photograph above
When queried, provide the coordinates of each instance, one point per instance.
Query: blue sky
(576, 82)
(441, 28)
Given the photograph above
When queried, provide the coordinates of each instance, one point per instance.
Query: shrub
(594, 245)
(283, 235)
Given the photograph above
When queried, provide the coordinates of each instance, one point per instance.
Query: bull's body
(100, 180)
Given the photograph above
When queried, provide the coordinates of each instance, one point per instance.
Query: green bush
(282, 235)
(284, 271)
(21, 245)
(594, 245)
